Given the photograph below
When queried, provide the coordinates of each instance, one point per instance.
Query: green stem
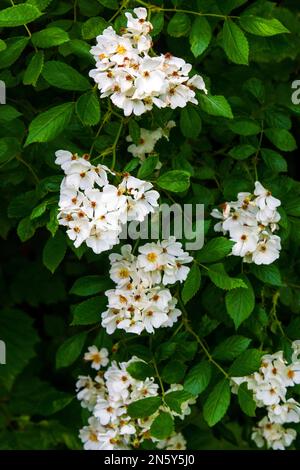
(114, 147)
(190, 330)
(177, 10)
(31, 170)
(258, 150)
(105, 119)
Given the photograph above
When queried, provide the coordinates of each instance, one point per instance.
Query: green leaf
(26, 229)
(20, 339)
(134, 131)
(144, 407)
(241, 152)
(240, 303)
(3, 45)
(214, 250)
(269, 274)
(274, 160)
(198, 378)
(218, 275)
(179, 25)
(93, 27)
(140, 370)
(64, 76)
(231, 347)
(245, 127)
(54, 251)
(217, 403)
(70, 350)
(22, 204)
(39, 210)
(176, 181)
(247, 363)
(200, 35)
(157, 21)
(89, 311)
(18, 15)
(173, 372)
(14, 49)
(190, 123)
(9, 147)
(163, 426)
(88, 109)
(111, 4)
(49, 37)
(34, 69)
(246, 400)
(175, 400)
(235, 43)
(90, 285)
(191, 284)
(8, 113)
(262, 26)
(215, 105)
(148, 166)
(48, 125)
(282, 139)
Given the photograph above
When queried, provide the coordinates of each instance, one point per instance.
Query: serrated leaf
(90, 285)
(179, 25)
(175, 399)
(191, 284)
(54, 251)
(70, 350)
(246, 400)
(61, 75)
(200, 35)
(89, 311)
(190, 123)
(269, 274)
(176, 181)
(148, 166)
(215, 105)
(163, 426)
(240, 303)
(93, 27)
(282, 139)
(20, 339)
(198, 378)
(144, 407)
(26, 229)
(247, 363)
(173, 372)
(140, 370)
(241, 152)
(231, 347)
(218, 275)
(18, 15)
(34, 69)
(274, 160)
(88, 109)
(14, 48)
(235, 43)
(217, 403)
(49, 37)
(262, 26)
(48, 125)
(214, 250)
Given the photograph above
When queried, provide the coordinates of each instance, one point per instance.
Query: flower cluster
(133, 79)
(148, 140)
(93, 210)
(107, 397)
(269, 386)
(140, 300)
(251, 222)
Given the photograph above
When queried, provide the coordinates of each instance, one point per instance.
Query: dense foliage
(245, 129)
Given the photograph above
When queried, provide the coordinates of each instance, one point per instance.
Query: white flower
(288, 412)
(98, 358)
(264, 199)
(174, 442)
(267, 251)
(273, 435)
(296, 350)
(246, 240)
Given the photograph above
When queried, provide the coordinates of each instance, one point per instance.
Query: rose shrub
(200, 349)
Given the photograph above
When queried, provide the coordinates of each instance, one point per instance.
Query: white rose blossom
(251, 222)
(269, 386)
(136, 81)
(107, 397)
